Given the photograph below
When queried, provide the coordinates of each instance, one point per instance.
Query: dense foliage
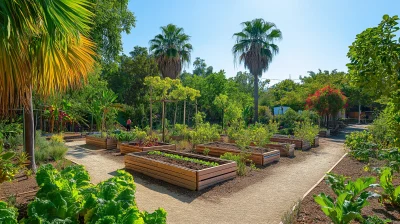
(68, 195)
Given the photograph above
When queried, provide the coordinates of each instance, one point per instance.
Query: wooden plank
(166, 179)
(209, 182)
(163, 165)
(172, 176)
(161, 170)
(217, 168)
(216, 173)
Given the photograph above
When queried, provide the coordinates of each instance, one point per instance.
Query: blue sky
(316, 33)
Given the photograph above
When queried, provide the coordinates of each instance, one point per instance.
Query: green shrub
(376, 220)
(48, 150)
(240, 160)
(203, 133)
(125, 136)
(10, 164)
(386, 127)
(306, 131)
(361, 145)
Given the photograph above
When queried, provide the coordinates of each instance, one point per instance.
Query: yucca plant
(44, 48)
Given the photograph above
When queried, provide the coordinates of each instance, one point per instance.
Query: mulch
(310, 211)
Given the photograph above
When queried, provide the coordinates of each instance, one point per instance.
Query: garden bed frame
(299, 144)
(179, 175)
(104, 143)
(324, 133)
(286, 149)
(126, 148)
(258, 158)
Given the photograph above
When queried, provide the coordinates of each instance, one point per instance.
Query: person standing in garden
(128, 124)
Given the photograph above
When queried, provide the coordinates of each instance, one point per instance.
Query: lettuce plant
(8, 215)
(69, 197)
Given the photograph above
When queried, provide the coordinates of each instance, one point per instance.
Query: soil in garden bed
(186, 164)
(146, 145)
(310, 211)
(235, 147)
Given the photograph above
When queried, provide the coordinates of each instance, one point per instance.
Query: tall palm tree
(171, 49)
(44, 48)
(255, 47)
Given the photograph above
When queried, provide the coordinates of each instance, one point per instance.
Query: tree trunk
(176, 109)
(151, 111)
(196, 106)
(359, 112)
(255, 98)
(163, 121)
(29, 131)
(184, 111)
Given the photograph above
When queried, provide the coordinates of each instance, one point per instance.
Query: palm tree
(44, 49)
(255, 48)
(171, 49)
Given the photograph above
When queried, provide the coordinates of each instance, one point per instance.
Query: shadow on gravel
(78, 152)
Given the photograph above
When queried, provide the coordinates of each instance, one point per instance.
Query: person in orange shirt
(128, 124)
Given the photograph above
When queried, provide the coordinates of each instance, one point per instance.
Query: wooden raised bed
(286, 149)
(179, 175)
(316, 142)
(258, 158)
(324, 133)
(133, 147)
(104, 143)
(299, 144)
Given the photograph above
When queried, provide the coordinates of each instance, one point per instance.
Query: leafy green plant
(206, 151)
(125, 136)
(351, 198)
(240, 159)
(180, 130)
(306, 130)
(361, 145)
(260, 135)
(69, 197)
(391, 194)
(183, 158)
(8, 214)
(376, 220)
(203, 133)
(392, 157)
(10, 164)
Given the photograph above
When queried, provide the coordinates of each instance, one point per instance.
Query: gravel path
(262, 202)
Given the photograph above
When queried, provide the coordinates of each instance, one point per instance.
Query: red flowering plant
(327, 101)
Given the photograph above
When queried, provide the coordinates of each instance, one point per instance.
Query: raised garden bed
(324, 133)
(286, 149)
(136, 147)
(260, 156)
(299, 144)
(186, 174)
(104, 143)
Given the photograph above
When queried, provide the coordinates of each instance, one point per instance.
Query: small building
(280, 110)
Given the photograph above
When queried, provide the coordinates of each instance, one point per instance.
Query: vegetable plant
(8, 214)
(391, 194)
(351, 198)
(183, 158)
(69, 197)
(240, 161)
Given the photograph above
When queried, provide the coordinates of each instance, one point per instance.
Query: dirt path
(262, 202)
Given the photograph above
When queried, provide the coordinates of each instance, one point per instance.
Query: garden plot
(138, 147)
(103, 143)
(260, 156)
(190, 171)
